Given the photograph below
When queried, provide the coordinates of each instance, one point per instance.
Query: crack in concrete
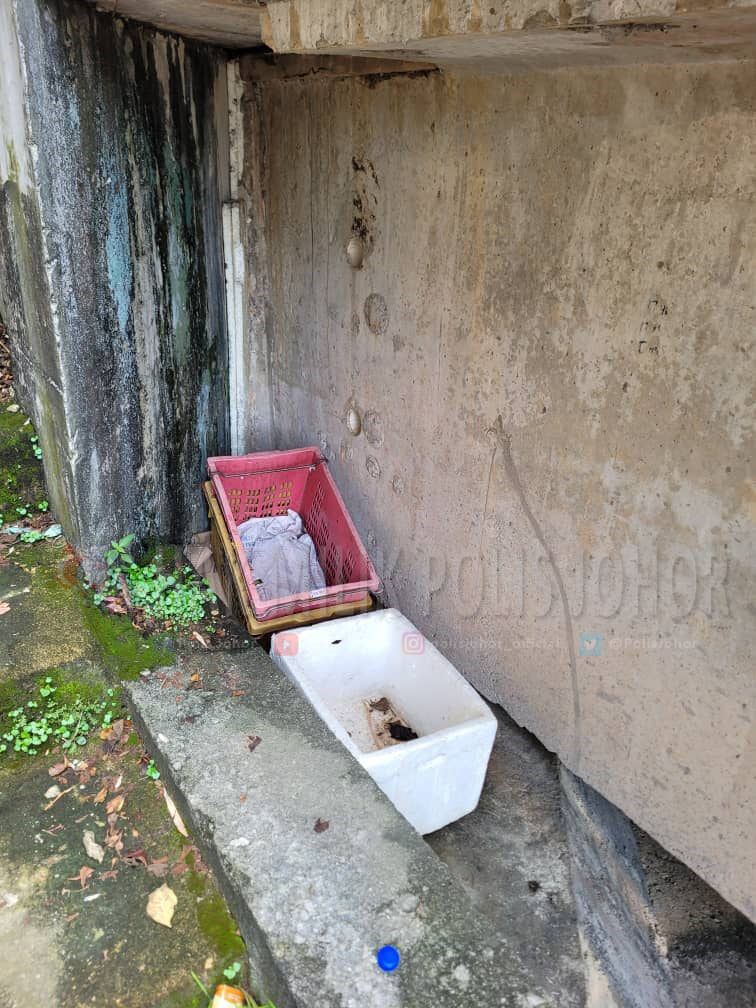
(503, 443)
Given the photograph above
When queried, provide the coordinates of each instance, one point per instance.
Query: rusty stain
(295, 34)
(565, 12)
(266, 28)
(436, 19)
(475, 21)
(359, 23)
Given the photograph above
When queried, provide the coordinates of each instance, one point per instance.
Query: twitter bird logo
(591, 644)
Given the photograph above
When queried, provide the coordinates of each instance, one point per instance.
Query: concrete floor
(512, 857)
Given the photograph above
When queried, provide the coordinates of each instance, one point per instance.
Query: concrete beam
(274, 66)
(495, 37)
(234, 24)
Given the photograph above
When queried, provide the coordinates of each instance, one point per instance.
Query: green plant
(232, 972)
(119, 552)
(31, 536)
(43, 505)
(45, 720)
(152, 771)
(179, 597)
(35, 446)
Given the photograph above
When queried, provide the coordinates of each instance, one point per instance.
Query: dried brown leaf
(85, 874)
(161, 905)
(58, 768)
(115, 804)
(176, 819)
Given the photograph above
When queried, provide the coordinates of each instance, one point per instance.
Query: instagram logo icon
(413, 643)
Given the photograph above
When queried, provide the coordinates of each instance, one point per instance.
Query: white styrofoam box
(340, 666)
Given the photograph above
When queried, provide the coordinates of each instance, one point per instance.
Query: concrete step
(546, 896)
(315, 905)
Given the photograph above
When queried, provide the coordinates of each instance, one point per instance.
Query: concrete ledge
(314, 906)
(611, 898)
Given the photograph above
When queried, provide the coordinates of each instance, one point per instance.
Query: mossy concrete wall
(111, 263)
(550, 345)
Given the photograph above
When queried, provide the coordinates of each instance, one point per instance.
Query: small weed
(31, 536)
(119, 554)
(152, 771)
(35, 446)
(232, 972)
(43, 506)
(178, 598)
(46, 721)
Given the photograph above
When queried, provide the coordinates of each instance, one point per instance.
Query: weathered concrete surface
(111, 270)
(709, 945)
(498, 37)
(653, 932)
(512, 857)
(234, 23)
(97, 946)
(611, 896)
(550, 343)
(315, 906)
(467, 33)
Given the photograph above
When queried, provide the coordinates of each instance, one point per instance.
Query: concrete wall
(111, 266)
(550, 345)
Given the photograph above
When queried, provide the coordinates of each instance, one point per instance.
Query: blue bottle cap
(388, 958)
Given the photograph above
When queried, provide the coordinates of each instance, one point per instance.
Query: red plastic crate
(269, 483)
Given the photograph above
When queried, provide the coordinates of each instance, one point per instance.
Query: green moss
(219, 927)
(195, 882)
(10, 150)
(11, 695)
(125, 652)
(89, 688)
(21, 477)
